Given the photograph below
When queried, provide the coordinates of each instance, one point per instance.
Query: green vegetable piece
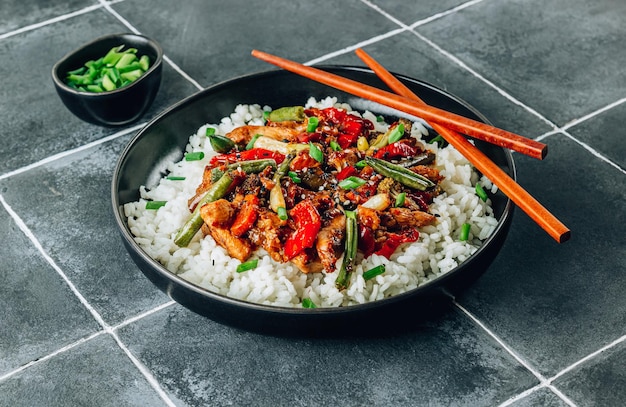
(465, 230)
(210, 131)
(403, 175)
(335, 146)
(373, 272)
(152, 205)
(282, 213)
(312, 124)
(175, 178)
(480, 191)
(316, 153)
(288, 113)
(400, 199)
(397, 133)
(352, 182)
(112, 56)
(125, 60)
(107, 83)
(248, 265)
(132, 75)
(349, 254)
(94, 88)
(144, 61)
(253, 140)
(294, 177)
(195, 156)
(308, 303)
(221, 144)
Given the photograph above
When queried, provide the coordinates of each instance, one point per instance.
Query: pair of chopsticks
(449, 126)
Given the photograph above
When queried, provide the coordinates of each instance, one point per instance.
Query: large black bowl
(144, 162)
(120, 106)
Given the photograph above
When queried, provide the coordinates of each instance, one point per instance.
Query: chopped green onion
(352, 182)
(175, 178)
(465, 229)
(282, 213)
(438, 139)
(373, 272)
(380, 119)
(361, 164)
(294, 177)
(266, 115)
(400, 199)
(307, 303)
(480, 191)
(253, 140)
(312, 125)
(249, 265)
(315, 152)
(210, 131)
(335, 146)
(198, 155)
(155, 204)
(397, 133)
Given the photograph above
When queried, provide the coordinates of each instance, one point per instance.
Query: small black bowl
(120, 106)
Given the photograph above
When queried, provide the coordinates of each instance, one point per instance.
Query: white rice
(208, 265)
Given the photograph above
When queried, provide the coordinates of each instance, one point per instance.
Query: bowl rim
(502, 223)
(153, 67)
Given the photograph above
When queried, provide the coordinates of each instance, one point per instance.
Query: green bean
(402, 175)
(350, 251)
(288, 113)
(221, 144)
(191, 227)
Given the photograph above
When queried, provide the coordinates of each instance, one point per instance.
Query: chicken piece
(218, 213)
(202, 188)
(266, 233)
(242, 135)
(306, 264)
(329, 242)
(237, 248)
(404, 217)
(368, 217)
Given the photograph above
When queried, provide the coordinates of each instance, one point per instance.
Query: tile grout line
(106, 328)
(108, 8)
(543, 381)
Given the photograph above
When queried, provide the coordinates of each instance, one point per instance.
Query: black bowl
(120, 106)
(145, 159)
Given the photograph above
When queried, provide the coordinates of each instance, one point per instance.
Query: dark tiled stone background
(546, 325)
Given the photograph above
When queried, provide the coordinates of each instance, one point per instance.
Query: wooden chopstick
(507, 185)
(431, 114)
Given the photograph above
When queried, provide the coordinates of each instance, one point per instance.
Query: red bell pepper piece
(252, 154)
(308, 223)
(246, 216)
(399, 149)
(366, 241)
(394, 240)
(346, 172)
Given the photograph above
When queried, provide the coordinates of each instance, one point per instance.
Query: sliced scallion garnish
(335, 146)
(400, 199)
(373, 272)
(294, 177)
(153, 205)
(312, 124)
(465, 229)
(480, 191)
(316, 153)
(282, 213)
(352, 182)
(308, 303)
(248, 265)
(397, 133)
(253, 140)
(175, 178)
(195, 156)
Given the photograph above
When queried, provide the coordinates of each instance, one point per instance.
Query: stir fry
(313, 185)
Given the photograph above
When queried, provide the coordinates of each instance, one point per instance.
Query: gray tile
(605, 133)
(411, 12)
(408, 55)
(21, 13)
(563, 58)
(36, 124)
(94, 373)
(199, 35)
(598, 382)
(542, 397)
(555, 304)
(447, 362)
(39, 311)
(76, 227)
